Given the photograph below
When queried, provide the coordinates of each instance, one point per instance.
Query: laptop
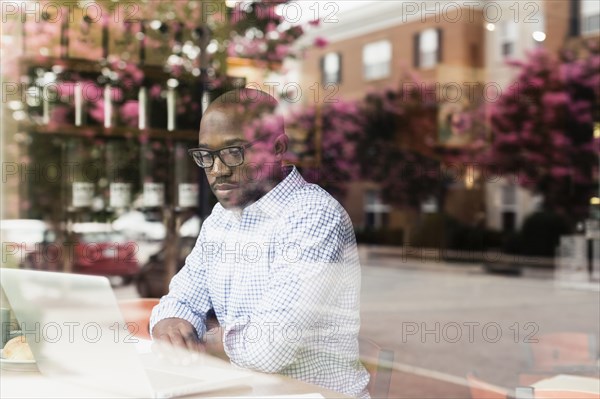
(77, 333)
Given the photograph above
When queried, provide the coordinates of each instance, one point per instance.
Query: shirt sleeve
(188, 296)
(303, 281)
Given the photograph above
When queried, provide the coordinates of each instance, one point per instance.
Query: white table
(27, 384)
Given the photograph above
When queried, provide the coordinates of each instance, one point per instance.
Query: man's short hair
(247, 107)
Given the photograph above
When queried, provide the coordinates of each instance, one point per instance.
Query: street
(449, 323)
(444, 321)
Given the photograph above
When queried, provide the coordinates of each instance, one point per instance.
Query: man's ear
(281, 146)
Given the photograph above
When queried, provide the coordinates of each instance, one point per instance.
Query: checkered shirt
(283, 278)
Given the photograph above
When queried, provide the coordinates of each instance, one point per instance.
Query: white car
(23, 231)
(22, 236)
(191, 227)
(135, 226)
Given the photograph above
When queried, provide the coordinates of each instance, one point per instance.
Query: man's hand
(178, 332)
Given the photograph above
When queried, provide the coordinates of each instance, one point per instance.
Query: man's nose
(219, 168)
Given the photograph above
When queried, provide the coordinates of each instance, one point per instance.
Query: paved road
(449, 322)
(443, 322)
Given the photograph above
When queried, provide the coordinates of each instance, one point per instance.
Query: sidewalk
(455, 256)
(422, 316)
(432, 259)
(395, 258)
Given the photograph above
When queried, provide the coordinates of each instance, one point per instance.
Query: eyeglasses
(230, 156)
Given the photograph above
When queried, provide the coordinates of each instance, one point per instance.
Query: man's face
(235, 186)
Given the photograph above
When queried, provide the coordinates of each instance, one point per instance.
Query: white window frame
(377, 60)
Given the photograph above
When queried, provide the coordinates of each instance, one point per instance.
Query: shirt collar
(275, 201)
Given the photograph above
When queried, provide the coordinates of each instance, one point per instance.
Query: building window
(430, 205)
(331, 68)
(428, 48)
(376, 212)
(509, 204)
(509, 195)
(590, 16)
(508, 38)
(507, 200)
(377, 57)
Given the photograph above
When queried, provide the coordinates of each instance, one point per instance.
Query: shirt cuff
(176, 310)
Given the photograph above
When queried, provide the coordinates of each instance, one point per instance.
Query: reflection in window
(377, 57)
(331, 68)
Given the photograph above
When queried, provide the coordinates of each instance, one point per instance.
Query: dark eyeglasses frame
(241, 147)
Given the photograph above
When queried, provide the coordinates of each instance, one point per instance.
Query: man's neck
(277, 176)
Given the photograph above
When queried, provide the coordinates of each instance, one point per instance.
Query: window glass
(509, 195)
(377, 57)
(428, 48)
(509, 31)
(590, 16)
(376, 211)
(331, 68)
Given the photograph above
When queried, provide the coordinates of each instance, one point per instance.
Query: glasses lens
(232, 156)
(204, 159)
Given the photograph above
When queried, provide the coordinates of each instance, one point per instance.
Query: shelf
(115, 132)
(151, 72)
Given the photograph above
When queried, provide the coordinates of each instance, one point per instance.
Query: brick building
(375, 47)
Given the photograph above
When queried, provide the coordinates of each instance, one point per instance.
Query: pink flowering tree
(342, 129)
(400, 128)
(260, 32)
(176, 36)
(175, 30)
(542, 130)
(386, 137)
(254, 30)
(472, 153)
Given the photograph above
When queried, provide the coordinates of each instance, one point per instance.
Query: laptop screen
(75, 330)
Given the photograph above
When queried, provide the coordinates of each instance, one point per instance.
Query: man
(276, 260)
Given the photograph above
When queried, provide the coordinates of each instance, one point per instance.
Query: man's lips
(225, 186)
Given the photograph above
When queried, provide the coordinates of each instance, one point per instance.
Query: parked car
(136, 226)
(191, 227)
(23, 230)
(96, 249)
(150, 282)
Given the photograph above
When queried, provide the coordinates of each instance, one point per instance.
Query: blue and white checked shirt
(283, 278)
